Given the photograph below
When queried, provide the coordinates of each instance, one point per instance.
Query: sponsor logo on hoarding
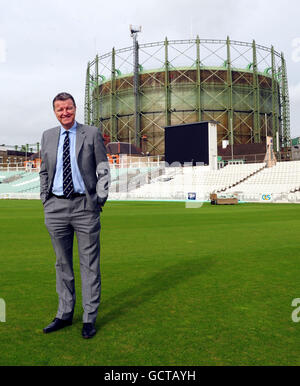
(266, 197)
(192, 196)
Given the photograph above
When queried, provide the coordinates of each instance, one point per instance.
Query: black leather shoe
(88, 330)
(57, 324)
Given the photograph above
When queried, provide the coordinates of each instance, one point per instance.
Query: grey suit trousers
(63, 218)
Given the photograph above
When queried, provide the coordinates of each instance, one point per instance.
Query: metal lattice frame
(108, 75)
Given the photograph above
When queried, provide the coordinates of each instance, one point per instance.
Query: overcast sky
(45, 46)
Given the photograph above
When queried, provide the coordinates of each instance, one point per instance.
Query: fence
(17, 168)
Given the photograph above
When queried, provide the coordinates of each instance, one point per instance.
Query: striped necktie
(67, 172)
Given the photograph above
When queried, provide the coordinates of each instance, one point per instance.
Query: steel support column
(256, 94)
(137, 112)
(198, 63)
(285, 105)
(87, 109)
(167, 86)
(113, 101)
(230, 98)
(96, 92)
(274, 101)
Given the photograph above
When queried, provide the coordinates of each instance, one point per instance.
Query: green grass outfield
(207, 286)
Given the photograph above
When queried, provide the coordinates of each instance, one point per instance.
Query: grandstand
(254, 182)
(19, 184)
(248, 182)
(280, 182)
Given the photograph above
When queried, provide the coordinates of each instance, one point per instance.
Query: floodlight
(135, 29)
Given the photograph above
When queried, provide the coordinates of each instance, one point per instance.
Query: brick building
(13, 158)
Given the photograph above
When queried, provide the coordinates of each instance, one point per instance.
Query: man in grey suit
(74, 179)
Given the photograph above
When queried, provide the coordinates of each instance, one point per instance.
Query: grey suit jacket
(92, 163)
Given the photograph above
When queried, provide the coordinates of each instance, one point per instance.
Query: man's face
(65, 112)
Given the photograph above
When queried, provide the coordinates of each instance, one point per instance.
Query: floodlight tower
(134, 30)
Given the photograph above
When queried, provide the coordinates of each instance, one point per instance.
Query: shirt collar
(72, 130)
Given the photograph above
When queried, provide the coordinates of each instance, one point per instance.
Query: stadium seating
(10, 176)
(128, 179)
(282, 178)
(249, 182)
(176, 183)
(19, 182)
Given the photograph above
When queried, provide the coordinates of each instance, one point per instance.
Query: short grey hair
(63, 96)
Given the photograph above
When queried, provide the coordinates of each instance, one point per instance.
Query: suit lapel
(80, 136)
(53, 150)
(52, 154)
